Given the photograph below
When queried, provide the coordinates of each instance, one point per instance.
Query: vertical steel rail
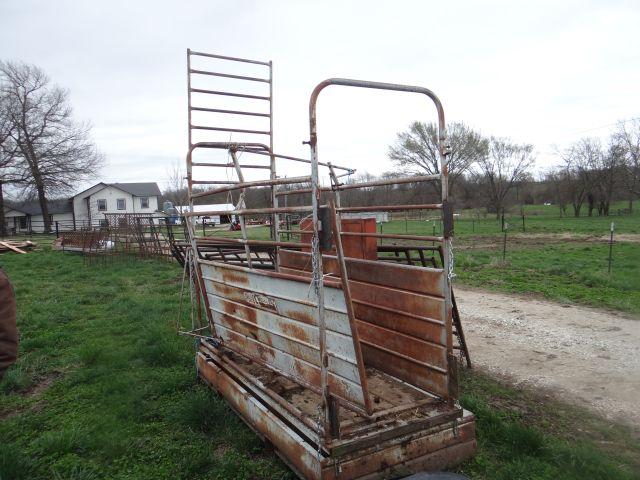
(241, 206)
(275, 219)
(318, 284)
(201, 291)
(444, 177)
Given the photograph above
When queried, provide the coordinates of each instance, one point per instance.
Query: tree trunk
(42, 199)
(3, 230)
(576, 209)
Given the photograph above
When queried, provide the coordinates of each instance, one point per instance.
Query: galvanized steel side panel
(271, 319)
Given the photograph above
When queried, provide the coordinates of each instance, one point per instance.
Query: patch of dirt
(527, 240)
(583, 356)
(42, 384)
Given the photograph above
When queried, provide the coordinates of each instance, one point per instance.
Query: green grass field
(104, 388)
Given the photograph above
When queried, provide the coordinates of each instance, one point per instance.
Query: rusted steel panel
(279, 340)
(294, 310)
(417, 350)
(359, 247)
(297, 452)
(422, 377)
(252, 321)
(270, 284)
(399, 300)
(292, 367)
(389, 457)
(402, 332)
(429, 281)
(415, 326)
(339, 363)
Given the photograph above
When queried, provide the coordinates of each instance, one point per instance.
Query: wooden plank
(11, 247)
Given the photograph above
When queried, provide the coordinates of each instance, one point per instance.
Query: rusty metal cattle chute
(340, 336)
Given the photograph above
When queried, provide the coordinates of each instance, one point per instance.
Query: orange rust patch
(247, 313)
(264, 352)
(231, 276)
(296, 332)
(301, 316)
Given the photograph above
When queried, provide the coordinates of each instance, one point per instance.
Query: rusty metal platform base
(415, 434)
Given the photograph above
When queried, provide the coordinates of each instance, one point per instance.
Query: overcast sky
(545, 72)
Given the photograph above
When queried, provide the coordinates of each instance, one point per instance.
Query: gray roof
(141, 189)
(62, 205)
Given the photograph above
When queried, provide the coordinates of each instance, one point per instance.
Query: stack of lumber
(16, 246)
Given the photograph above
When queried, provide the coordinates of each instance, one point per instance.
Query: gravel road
(583, 356)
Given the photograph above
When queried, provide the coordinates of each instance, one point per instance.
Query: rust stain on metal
(232, 277)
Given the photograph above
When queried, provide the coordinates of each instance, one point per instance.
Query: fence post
(204, 233)
(504, 243)
(613, 225)
(57, 231)
(523, 227)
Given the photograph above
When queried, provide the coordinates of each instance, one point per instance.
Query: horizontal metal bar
(213, 182)
(398, 236)
(390, 181)
(236, 130)
(228, 94)
(226, 165)
(230, 112)
(254, 183)
(227, 145)
(391, 208)
(228, 75)
(297, 159)
(255, 242)
(254, 211)
(225, 57)
(298, 191)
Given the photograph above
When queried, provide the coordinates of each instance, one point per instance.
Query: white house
(90, 204)
(85, 208)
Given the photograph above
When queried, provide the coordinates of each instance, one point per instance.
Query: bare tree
(505, 165)
(557, 179)
(53, 150)
(176, 184)
(9, 173)
(416, 150)
(627, 137)
(582, 160)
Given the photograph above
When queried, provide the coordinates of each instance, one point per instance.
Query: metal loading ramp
(343, 362)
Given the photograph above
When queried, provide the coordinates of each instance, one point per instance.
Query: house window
(144, 202)
(102, 204)
(121, 204)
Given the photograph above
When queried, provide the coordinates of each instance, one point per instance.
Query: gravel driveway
(584, 356)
